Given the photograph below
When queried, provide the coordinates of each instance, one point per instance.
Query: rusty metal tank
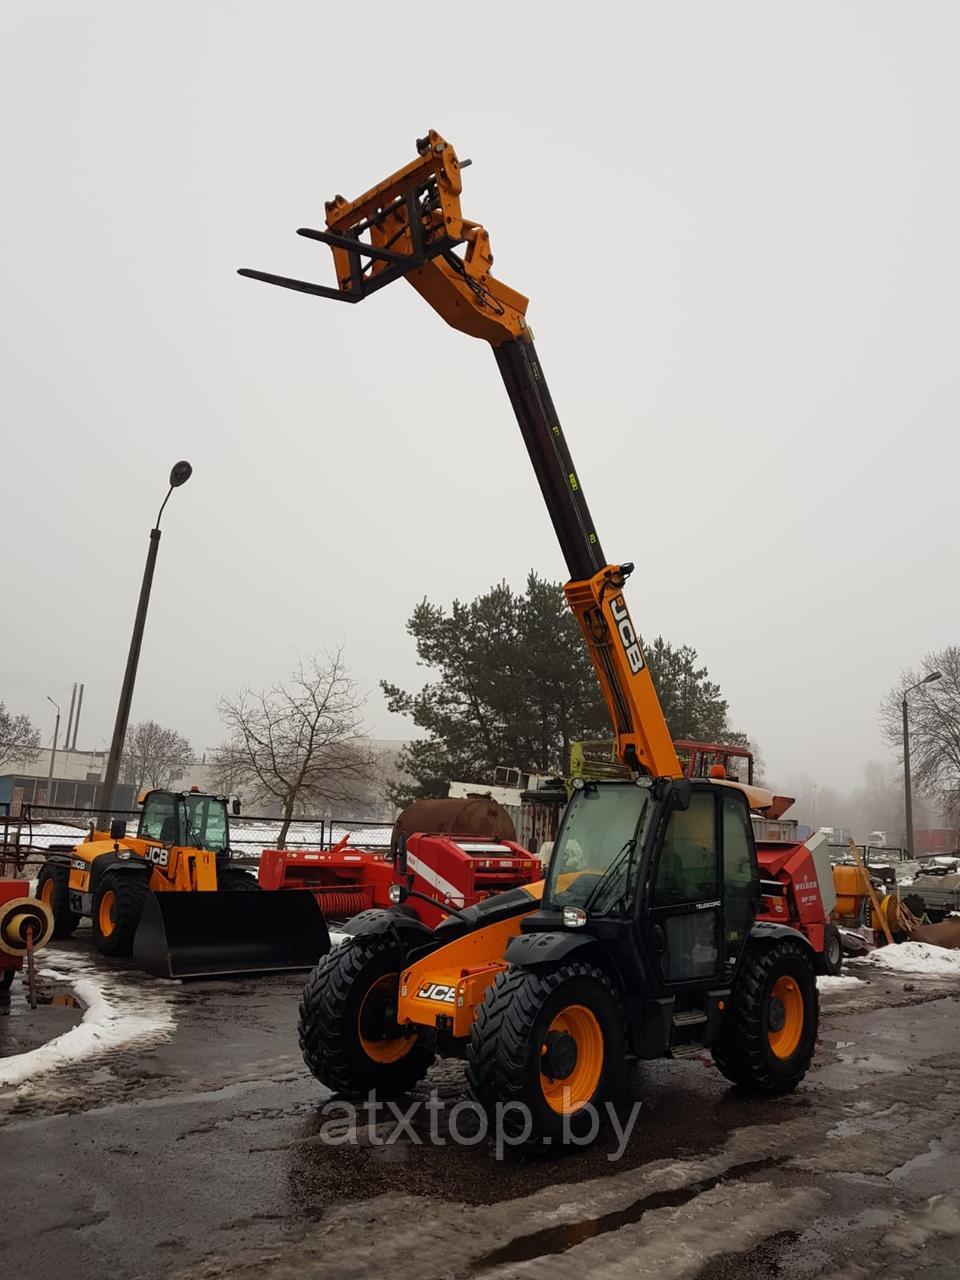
(472, 815)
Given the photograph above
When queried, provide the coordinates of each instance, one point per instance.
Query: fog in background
(737, 225)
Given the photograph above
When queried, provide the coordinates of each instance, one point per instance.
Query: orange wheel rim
(105, 915)
(46, 892)
(576, 1081)
(395, 1048)
(785, 1017)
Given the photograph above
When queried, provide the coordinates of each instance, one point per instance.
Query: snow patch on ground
(116, 1016)
(915, 957)
(836, 982)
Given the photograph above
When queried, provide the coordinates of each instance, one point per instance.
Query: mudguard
(386, 920)
(113, 862)
(530, 949)
(770, 931)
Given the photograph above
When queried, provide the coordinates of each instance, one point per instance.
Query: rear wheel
(53, 889)
(6, 982)
(117, 907)
(348, 1027)
(551, 1041)
(770, 1031)
(233, 880)
(831, 962)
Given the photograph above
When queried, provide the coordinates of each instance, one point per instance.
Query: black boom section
(543, 436)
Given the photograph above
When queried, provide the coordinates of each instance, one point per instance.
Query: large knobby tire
(117, 906)
(551, 1040)
(53, 888)
(831, 960)
(770, 1031)
(348, 1031)
(233, 880)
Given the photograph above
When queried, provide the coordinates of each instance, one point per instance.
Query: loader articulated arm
(411, 225)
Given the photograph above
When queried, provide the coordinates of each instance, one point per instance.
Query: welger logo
(437, 991)
(806, 884)
(628, 636)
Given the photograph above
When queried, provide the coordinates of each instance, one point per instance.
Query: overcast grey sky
(757, 376)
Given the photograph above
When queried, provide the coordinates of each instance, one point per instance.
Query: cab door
(685, 911)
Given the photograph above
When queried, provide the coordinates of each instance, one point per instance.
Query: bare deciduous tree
(297, 743)
(154, 756)
(934, 718)
(19, 740)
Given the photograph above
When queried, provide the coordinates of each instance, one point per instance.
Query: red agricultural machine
(467, 853)
(26, 925)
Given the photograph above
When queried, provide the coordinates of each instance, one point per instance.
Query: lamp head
(180, 473)
(934, 675)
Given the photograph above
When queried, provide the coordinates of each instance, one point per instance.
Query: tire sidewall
(597, 996)
(792, 964)
(378, 966)
(124, 884)
(348, 1061)
(65, 921)
(832, 951)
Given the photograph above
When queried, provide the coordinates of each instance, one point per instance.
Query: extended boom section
(412, 225)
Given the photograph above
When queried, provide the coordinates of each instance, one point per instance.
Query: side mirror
(118, 828)
(235, 806)
(681, 793)
(400, 856)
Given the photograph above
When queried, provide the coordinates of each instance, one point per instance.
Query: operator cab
(188, 819)
(664, 869)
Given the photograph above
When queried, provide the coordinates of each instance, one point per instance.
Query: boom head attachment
(411, 224)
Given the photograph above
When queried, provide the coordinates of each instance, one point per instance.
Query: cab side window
(159, 819)
(687, 871)
(739, 871)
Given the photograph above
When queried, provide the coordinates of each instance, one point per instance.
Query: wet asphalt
(213, 1153)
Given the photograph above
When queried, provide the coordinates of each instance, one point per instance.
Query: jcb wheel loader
(169, 896)
(644, 939)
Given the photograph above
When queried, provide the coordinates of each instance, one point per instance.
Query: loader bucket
(201, 934)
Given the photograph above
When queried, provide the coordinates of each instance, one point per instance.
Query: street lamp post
(907, 794)
(53, 752)
(179, 475)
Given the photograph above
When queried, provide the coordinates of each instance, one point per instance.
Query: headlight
(395, 893)
(577, 784)
(574, 917)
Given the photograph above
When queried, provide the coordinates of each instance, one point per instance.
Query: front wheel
(117, 907)
(551, 1042)
(770, 1031)
(348, 1029)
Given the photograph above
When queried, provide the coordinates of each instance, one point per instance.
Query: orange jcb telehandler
(170, 895)
(644, 938)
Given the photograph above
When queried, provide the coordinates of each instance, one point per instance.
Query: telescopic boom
(411, 226)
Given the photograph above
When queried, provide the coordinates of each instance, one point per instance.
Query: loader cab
(665, 870)
(190, 819)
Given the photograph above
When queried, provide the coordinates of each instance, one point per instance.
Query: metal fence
(30, 834)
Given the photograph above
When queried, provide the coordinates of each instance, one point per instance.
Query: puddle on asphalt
(551, 1241)
(21, 1003)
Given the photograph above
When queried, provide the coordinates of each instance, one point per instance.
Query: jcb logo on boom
(437, 991)
(156, 854)
(628, 637)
